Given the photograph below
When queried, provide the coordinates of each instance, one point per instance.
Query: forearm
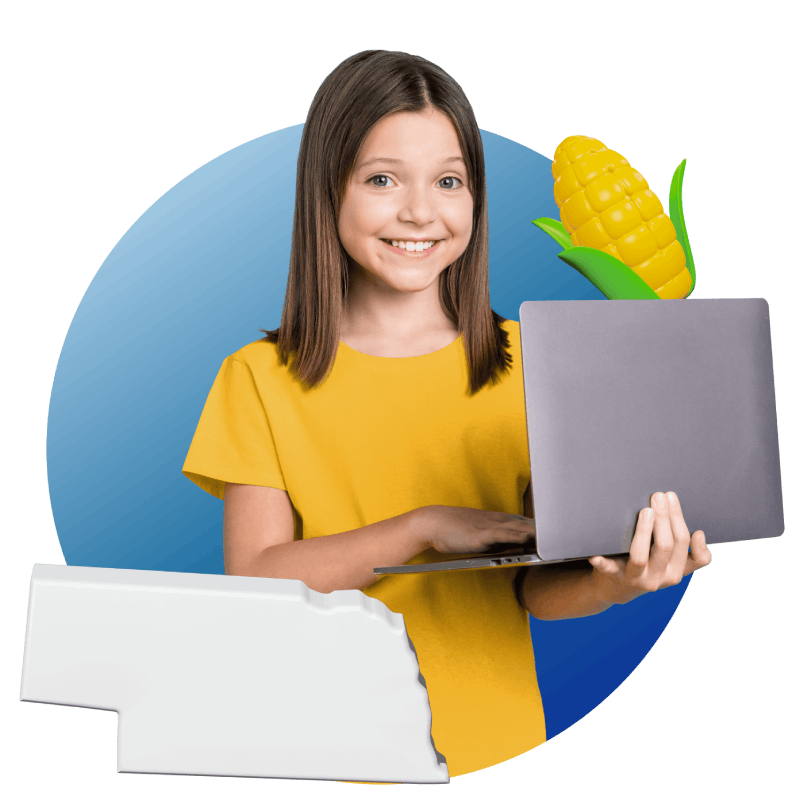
(561, 591)
(343, 560)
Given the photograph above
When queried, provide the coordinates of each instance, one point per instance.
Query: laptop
(624, 398)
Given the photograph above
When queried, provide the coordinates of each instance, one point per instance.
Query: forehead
(419, 136)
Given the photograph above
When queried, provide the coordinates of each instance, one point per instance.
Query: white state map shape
(226, 675)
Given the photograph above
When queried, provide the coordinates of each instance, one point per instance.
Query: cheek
(463, 223)
(349, 233)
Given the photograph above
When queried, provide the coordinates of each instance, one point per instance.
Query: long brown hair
(360, 91)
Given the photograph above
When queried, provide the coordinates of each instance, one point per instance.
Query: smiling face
(415, 187)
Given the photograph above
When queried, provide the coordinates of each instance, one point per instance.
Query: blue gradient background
(192, 281)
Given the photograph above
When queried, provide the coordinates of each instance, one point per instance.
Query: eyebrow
(400, 161)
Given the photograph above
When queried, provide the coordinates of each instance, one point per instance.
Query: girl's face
(409, 185)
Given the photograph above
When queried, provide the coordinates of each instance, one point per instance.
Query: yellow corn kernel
(606, 204)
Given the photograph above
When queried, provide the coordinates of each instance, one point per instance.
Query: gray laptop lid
(629, 397)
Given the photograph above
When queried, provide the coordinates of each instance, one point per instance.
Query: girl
(383, 422)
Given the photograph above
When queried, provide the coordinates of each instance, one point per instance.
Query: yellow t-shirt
(379, 437)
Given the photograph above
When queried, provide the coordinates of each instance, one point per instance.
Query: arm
(555, 591)
(258, 540)
(560, 591)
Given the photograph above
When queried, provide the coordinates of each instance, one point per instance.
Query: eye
(451, 178)
(381, 185)
(374, 177)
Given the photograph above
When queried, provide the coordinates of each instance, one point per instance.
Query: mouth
(412, 253)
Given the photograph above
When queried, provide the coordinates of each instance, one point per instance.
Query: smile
(425, 249)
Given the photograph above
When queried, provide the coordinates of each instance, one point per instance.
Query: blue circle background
(191, 282)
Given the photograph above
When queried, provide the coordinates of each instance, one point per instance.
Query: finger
(608, 566)
(680, 533)
(640, 545)
(699, 555)
(524, 527)
(663, 539)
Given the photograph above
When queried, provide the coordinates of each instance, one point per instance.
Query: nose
(418, 206)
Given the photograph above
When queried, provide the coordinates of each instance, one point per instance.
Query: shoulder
(258, 356)
(512, 327)
(256, 363)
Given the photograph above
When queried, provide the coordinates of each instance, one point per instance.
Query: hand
(455, 529)
(674, 554)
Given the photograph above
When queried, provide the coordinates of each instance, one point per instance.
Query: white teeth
(403, 245)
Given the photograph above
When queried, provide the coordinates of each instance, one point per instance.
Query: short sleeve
(233, 441)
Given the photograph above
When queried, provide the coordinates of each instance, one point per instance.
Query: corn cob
(606, 204)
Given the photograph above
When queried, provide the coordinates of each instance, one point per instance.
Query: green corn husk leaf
(615, 280)
(676, 215)
(552, 227)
